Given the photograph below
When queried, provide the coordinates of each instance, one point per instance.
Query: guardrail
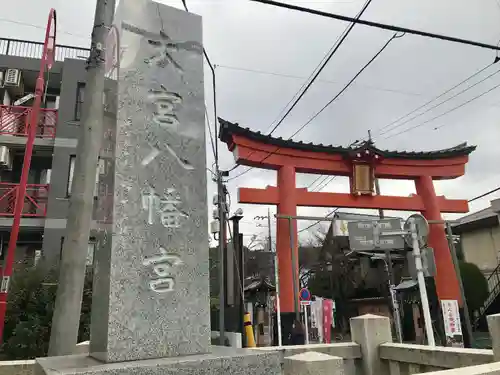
(15, 120)
(35, 199)
(34, 50)
(414, 359)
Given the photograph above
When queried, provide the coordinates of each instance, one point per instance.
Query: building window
(99, 170)
(80, 95)
(72, 159)
(91, 251)
(60, 251)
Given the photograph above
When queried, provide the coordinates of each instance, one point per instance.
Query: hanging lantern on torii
(364, 160)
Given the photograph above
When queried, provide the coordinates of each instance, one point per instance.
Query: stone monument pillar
(150, 307)
(151, 294)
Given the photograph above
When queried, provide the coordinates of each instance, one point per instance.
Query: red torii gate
(361, 164)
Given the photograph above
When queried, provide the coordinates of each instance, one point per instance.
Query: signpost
(305, 300)
(386, 234)
(375, 235)
(419, 228)
(422, 227)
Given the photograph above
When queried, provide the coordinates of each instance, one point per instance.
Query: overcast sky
(242, 37)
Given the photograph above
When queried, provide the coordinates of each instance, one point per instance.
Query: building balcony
(35, 200)
(34, 50)
(15, 121)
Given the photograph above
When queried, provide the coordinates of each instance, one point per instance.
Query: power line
(441, 103)
(210, 132)
(327, 104)
(484, 195)
(325, 62)
(275, 74)
(348, 84)
(42, 28)
(327, 183)
(319, 221)
(316, 179)
(437, 97)
(443, 114)
(214, 93)
(378, 25)
(325, 177)
(307, 84)
(470, 200)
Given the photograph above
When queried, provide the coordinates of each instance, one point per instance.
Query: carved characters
(163, 207)
(162, 264)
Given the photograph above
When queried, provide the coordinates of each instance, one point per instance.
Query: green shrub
(30, 308)
(475, 286)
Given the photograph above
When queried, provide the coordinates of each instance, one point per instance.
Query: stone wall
(371, 353)
(412, 359)
(17, 367)
(350, 352)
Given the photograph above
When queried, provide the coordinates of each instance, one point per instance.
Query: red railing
(14, 120)
(35, 200)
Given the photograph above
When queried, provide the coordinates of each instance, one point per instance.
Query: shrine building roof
(229, 129)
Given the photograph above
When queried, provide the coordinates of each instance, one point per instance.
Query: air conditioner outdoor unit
(5, 158)
(12, 77)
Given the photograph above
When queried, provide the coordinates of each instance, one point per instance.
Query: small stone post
(494, 328)
(313, 363)
(369, 331)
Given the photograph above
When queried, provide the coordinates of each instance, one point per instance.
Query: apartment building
(46, 204)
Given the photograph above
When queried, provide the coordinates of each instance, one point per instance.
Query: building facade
(43, 223)
(480, 244)
(480, 238)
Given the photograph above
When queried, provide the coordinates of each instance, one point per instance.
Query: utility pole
(390, 271)
(269, 230)
(66, 319)
(221, 202)
(276, 281)
(239, 278)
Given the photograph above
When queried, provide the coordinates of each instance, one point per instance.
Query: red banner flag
(327, 320)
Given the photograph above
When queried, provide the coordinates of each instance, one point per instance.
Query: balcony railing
(34, 50)
(15, 120)
(35, 200)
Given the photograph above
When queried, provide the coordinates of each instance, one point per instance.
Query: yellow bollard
(248, 331)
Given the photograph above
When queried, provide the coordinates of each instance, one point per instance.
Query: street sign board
(305, 303)
(304, 295)
(375, 235)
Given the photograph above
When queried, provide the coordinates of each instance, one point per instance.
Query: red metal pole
(18, 210)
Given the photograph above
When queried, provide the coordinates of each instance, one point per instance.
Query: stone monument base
(221, 361)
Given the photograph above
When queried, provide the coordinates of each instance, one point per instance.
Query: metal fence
(15, 120)
(35, 199)
(34, 50)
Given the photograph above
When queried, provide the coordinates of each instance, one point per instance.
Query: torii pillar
(287, 206)
(446, 283)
